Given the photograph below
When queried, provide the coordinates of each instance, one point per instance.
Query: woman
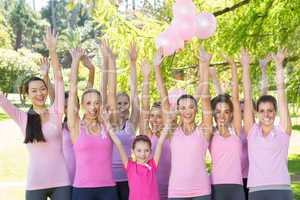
(189, 178)
(92, 145)
(225, 146)
(268, 144)
(41, 126)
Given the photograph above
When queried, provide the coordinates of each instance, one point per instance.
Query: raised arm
(160, 142)
(214, 77)
(237, 115)
(207, 123)
(73, 109)
(87, 62)
(145, 107)
(112, 86)
(248, 105)
(104, 71)
(135, 103)
(44, 68)
(106, 116)
(161, 85)
(285, 119)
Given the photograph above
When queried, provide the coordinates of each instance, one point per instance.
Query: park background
(262, 26)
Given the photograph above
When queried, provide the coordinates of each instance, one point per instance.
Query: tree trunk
(53, 18)
(18, 39)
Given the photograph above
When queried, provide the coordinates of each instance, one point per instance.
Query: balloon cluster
(186, 24)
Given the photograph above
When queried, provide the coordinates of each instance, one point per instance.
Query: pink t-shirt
(164, 167)
(68, 152)
(126, 136)
(93, 159)
(268, 157)
(47, 167)
(189, 177)
(142, 181)
(226, 159)
(244, 155)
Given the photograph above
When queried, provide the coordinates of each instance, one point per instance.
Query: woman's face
(123, 105)
(223, 114)
(37, 93)
(187, 110)
(266, 113)
(91, 104)
(156, 120)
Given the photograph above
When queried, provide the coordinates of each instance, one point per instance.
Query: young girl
(41, 126)
(189, 142)
(225, 146)
(151, 124)
(92, 146)
(267, 144)
(142, 170)
(68, 150)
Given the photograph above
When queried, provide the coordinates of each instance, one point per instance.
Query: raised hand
(245, 58)
(133, 52)
(280, 56)
(76, 54)
(50, 39)
(228, 59)
(106, 115)
(146, 68)
(44, 67)
(158, 58)
(87, 62)
(204, 56)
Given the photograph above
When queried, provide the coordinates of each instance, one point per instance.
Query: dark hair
(253, 103)
(266, 98)
(187, 96)
(141, 138)
(221, 98)
(91, 90)
(34, 131)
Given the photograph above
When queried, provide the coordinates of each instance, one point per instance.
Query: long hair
(34, 131)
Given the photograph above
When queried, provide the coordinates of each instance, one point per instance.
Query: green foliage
(15, 67)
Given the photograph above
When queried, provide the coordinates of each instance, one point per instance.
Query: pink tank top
(68, 152)
(126, 136)
(268, 157)
(93, 160)
(164, 167)
(142, 181)
(47, 167)
(244, 155)
(189, 177)
(226, 159)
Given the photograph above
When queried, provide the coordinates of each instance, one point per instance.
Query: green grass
(296, 127)
(296, 190)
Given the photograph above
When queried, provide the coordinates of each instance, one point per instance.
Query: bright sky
(38, 3)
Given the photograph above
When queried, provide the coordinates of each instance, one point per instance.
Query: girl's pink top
(164, 167)
(244, 155)
(268, 157)
(226, 159)
(93, 159)
(126, 135)
(189, 177)
(68, 152)
(47, 167)
(142, 180)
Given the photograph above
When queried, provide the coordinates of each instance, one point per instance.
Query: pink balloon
(206, 25)
(184, 9)
(174, 95)
(165, 41)
(178, 43)
(186, 29)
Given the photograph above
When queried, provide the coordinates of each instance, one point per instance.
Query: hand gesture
(204, 56)
(106, 115)
(158, 58)
(87, 62)
(146, 69)
(264, 62)
(280, 56)
(76, 54)
(133, 52)
(50, 39)
(245, 58)
(44, 67)
(228, 59)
